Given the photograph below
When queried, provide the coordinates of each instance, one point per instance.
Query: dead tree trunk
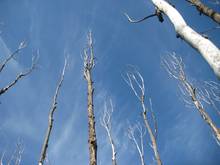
(203, 9)
(88, 66)
(51, 119)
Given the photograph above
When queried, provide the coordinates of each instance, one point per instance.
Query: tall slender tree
(89, 63)
(136, 82)
(51, 118)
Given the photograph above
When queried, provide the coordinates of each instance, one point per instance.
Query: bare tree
(106, 122)
(175, 67)
(139, 145)
(136, 82)
(89, 63)
(205, 47)
(20, 75)
(203, 9)
(51, 118)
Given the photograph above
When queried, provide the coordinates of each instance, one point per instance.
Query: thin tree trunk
(204, 46)
(202, 8)
(113, 148)
(152, 137)
(91, 121)
(51, 119)
(202, 111)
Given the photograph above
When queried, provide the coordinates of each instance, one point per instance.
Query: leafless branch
(106, 122)
(51, 118)
(175, 68)
(157, 13)
(12, 55)
(205, 33)
(139, 20)
(19, 76)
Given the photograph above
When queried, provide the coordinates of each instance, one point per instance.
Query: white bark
(204, 46)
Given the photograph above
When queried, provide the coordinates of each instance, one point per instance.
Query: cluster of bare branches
(15, 158)
(20, 75)
(51, 118)
(174, 65)
(136, 82)
(106, 122)
(89, 63)
(136, 133)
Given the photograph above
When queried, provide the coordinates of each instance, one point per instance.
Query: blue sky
(57, 28)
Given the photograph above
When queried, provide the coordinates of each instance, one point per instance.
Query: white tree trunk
(204, 46)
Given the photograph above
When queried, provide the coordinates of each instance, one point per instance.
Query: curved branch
(138, 20)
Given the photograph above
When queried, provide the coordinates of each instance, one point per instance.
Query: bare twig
(11, 56)
(136, 82)
(51, 119)
(106, 122)
(157, 13)
(175, 68)
(89, 63)
(139, 20)
(205, 33)
(15, 158)
(19, 76)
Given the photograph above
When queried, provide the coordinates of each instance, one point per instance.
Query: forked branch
(19, 76)
(106, 122)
